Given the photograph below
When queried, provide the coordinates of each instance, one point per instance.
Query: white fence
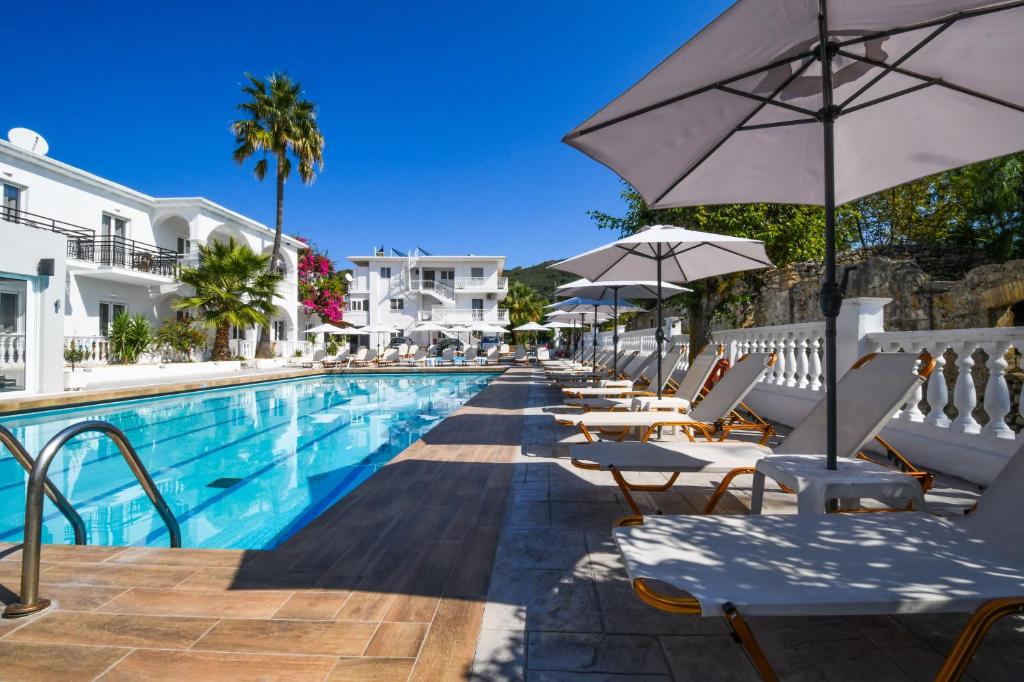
(12, 350)
(957, 422)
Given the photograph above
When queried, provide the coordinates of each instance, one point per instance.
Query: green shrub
(75, 354)
(332, 348)
(179, 337)
(130, 336)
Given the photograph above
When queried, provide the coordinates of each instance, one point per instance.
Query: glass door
(11, 202)
(115, 240)
(13, 342)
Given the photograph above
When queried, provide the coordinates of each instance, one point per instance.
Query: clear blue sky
(442, 119)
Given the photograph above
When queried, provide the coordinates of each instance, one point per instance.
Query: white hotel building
(402, 289)
(78, 249)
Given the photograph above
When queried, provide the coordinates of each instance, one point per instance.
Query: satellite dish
(348, 277)
(28, 139)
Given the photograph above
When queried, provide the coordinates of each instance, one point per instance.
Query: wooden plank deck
(388, 584)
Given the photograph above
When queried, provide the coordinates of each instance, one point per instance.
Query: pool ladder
(38, 484)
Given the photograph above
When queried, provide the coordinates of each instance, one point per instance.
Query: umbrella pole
(615, 333)
(659, 335)
(831, 298)
(593, 355)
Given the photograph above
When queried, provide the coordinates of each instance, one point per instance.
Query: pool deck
(479, 553)
(389, 584)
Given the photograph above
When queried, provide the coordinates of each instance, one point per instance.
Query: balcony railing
(84, 245)
(440, 288)
(463, 315)
(481, 283)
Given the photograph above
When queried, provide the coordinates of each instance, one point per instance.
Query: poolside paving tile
(365, 607)
(287, 637)
(372, 670)
(165, 556)
(595, 653)
(447, 651)
(142, 665)
(113, 629)
(119, 575)
(312, 606)
(211, 604)
(411, 608)
(397, 640)
(52, 553)
(45, 662)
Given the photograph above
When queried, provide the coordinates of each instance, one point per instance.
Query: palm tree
(280, 123)
(523, 304)
(232, 288)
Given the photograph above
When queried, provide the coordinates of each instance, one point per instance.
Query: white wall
(44, 315)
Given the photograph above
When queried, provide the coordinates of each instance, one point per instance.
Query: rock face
(929, 288)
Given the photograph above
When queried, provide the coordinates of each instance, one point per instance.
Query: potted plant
(73, 355)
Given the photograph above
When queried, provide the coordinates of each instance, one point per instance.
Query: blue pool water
(241, 468)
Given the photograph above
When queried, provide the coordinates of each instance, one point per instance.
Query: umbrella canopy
(428, 327)
(596, 306)
(377, 328)
(557, 324)
(759, 105)
(674, 254)
(606, 289)
(530, 327)
(325, 329)
(614, 289)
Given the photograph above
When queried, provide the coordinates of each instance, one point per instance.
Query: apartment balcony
(464, 315)
(106, 257)
(481, 284)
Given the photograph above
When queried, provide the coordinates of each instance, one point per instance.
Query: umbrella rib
(952, 18)
(777, 124)
(888, 69)
(686, 95)
(685, 174)
(893, 95)
(940, 82)
(765, 100)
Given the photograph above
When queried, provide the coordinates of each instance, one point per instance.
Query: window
(108, 311)
(398, 304)
(12, 202)
(446, 275)
(10, 312)
(385, 273)
(114, 226)
(183, 247)
(237, 333)
(279, 333)
(478, 308)
(357, 305)
(476, 273)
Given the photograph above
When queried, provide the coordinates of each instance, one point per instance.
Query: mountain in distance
(542, 279)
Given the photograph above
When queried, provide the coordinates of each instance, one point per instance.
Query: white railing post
(965, 397)
(938, 393)
(858, 317)
(997, 393)
(815, 361)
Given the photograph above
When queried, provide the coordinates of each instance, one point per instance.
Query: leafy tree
(791, 233)
(523, 304)
(232, 288)
(179, 337)
(281, 123)
(129, 336)
(322, 288)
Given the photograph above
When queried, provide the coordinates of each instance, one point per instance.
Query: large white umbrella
(597, 306)
(759, 105)
(615, 289)
(674, 254)
(325, 329)
(530, 327)
(378, 329)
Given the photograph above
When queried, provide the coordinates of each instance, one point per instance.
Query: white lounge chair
(447, 357)
(838, 565)
(685, 385)
(390, 357)
(339, 358)
(715, 413)
(493, 356)
(520, 358)
(307, 362)
(868, 395)
(359, 357)
(637, 373)
(368, 359)
(418, 358)
(469, 357)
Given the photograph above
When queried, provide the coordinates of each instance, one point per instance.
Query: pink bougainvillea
(322, 288)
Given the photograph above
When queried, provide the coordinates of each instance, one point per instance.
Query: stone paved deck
(389, 584)
(560, 607)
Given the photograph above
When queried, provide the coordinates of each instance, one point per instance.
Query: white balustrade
(12, 350)
(996, 403)
(797, 349)
(97, 348)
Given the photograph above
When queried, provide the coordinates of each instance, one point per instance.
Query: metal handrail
(29, 601)
(20, 454)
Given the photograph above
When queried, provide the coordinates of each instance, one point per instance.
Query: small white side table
(815, 485)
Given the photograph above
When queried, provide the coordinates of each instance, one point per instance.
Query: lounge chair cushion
(826, 564)
(685, 457)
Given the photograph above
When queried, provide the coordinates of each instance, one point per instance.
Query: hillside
(540, 277)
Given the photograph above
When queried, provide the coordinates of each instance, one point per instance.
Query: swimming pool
(241, 468)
